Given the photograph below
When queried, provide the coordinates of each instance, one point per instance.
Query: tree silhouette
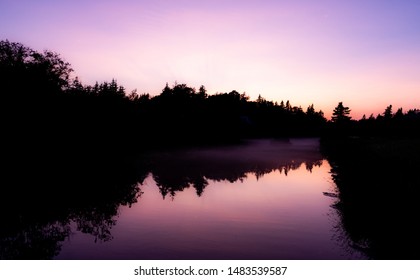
(26, 72)
(341, 113)
(399, 115)
(388, 113)
(202, 92)
(310, 110)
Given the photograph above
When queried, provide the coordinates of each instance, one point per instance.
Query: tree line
(59, 135)
(388, 124)
(45, 109)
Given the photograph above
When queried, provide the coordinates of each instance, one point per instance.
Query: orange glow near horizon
(366, 55)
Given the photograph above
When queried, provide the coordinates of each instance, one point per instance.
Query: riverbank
(378, 189)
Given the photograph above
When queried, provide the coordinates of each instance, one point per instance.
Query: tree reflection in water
(40, 203)
(39, 209)
(176, 170)
(378, 193)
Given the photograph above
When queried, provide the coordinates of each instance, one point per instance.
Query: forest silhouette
(46, 110)
(74, 148)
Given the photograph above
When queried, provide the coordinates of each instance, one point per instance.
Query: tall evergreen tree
(388, 112)
(341, 113)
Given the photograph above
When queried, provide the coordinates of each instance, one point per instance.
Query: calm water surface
(263, 200)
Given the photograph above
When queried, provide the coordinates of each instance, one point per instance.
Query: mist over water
(264, 199)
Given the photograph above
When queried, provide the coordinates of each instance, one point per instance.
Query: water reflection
(259, 200)
(377, 205)
(40, 202)
(176, 170)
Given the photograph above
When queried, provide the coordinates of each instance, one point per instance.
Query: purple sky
(364, 53)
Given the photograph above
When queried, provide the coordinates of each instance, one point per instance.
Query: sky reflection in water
(274, 209)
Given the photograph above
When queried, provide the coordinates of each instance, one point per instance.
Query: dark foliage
(45, 110)
(40, 201)
(375, 163)
(378, 189)
(70, 147)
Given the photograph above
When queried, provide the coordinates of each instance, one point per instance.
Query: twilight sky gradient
(365, 53)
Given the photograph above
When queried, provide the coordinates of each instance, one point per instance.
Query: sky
(364, 53)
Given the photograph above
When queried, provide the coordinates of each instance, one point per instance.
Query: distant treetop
(341, 113)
